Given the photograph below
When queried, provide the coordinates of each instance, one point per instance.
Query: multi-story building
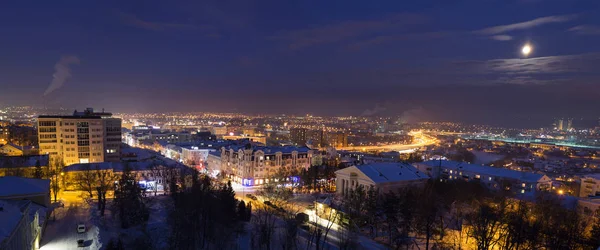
(494, 178)
(298, 135)
(253, 165)
(84, 137)
(337, 140)
(590, 186)
(3, 135)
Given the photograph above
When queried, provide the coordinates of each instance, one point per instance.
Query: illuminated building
(252, 165)
(384, 177)
(298, 135)
(559, 124)
(337, 140)
(494, 178)
(259, 139)
(4, 134)
(590, 185)
(84, 137)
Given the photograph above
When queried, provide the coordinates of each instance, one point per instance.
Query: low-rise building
(24, 166)
(20, 188)
(22, 224)
(494, 178)
(152, 174)
(384, 177)
(11, 149)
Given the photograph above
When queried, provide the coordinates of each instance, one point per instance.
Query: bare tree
(55, 174)
(486, 223)
(86, 180)
(105, 182)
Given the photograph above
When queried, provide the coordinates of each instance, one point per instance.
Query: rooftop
(391, 172)
(10, 215)
(147, 164)
(487, 170)
(23, 161)
(271, 150)
(16, 186)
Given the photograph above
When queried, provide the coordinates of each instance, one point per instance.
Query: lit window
(490, 178)
(450, 171)
(523, 185)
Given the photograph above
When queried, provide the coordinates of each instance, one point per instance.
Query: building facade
(518, 182)
(84, 137)
(384, 177)
(590, 186)
(252, 165)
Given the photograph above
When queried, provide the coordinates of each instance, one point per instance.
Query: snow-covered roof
(487, 170)
(120, 166)
(16, 186)
(271, 150)
(10, 215)
(391, 172)
(23, 161)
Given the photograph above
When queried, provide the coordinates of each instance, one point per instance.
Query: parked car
(81, 228)
(251, 196)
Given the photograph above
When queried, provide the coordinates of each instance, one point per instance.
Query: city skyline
(456, 61)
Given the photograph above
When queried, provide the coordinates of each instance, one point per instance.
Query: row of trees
(459, 215)
(206, 215)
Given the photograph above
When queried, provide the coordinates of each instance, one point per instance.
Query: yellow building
(84, 137)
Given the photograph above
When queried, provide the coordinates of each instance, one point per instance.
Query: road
(61, 234)
(420, 138)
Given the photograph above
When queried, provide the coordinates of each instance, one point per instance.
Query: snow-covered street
(61, 234)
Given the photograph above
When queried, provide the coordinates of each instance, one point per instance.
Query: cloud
(62, 72)
(586, 30)
(136, 22)
(346, 30)
(392, 38)
(525, 25)
(502, 37)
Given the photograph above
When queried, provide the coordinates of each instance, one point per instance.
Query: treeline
(206, 216)
(465, 215)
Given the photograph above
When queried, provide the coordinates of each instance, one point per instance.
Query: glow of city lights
(526, 50)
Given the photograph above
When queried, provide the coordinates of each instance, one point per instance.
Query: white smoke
(62, 73)
(377, 109)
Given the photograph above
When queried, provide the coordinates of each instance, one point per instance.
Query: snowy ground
(486, 158)
(61, 234)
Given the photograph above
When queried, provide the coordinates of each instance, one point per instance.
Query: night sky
(434, 60)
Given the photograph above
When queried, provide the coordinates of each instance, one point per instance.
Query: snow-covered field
(61, 234)
(485, 158)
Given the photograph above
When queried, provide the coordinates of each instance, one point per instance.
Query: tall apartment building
(84, 137)
(298, 135)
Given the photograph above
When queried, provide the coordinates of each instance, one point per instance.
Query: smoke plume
(62, 73)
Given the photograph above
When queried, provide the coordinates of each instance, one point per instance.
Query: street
(61, 234)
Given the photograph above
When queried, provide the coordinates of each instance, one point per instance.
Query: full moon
(526, 50)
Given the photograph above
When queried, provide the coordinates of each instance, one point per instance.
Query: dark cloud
(347, 30)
